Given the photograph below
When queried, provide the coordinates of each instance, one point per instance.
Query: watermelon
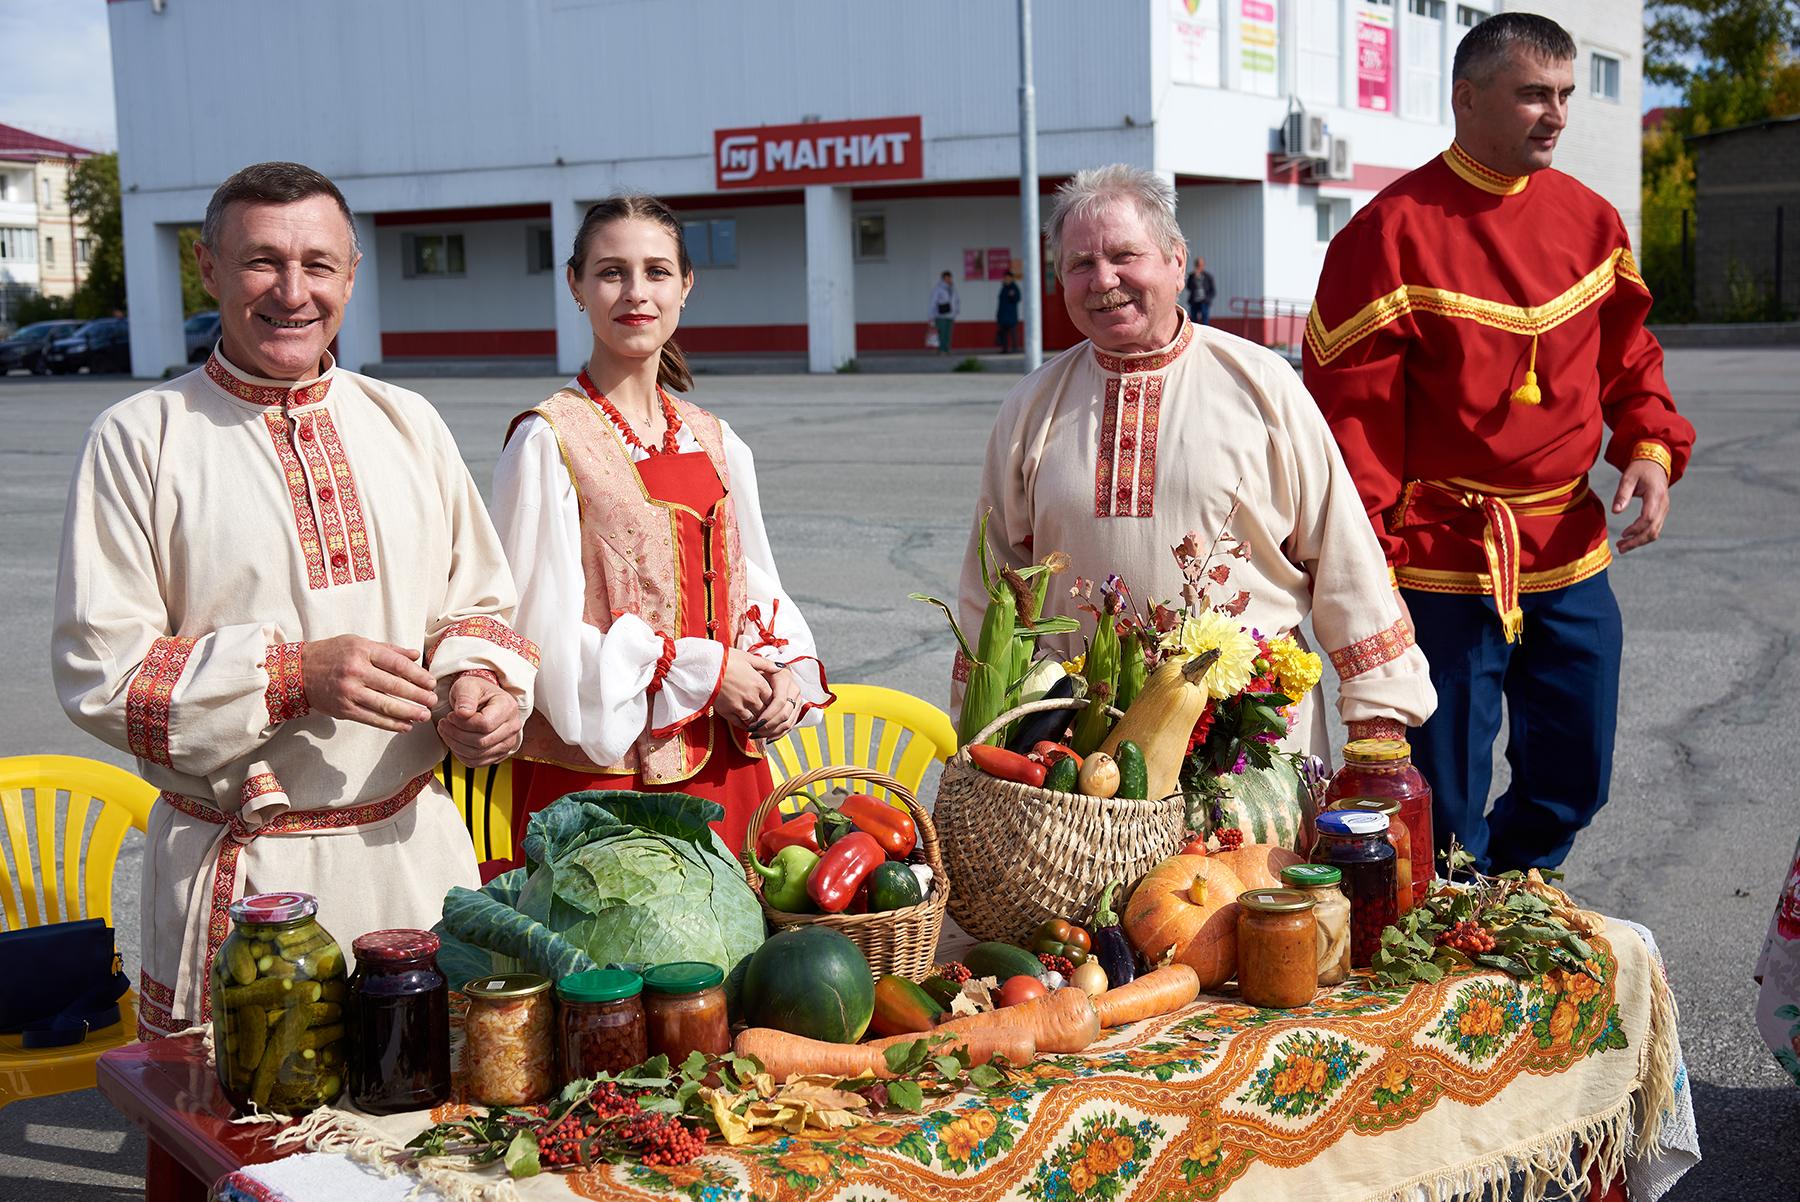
(1264, 803)
(810, 981)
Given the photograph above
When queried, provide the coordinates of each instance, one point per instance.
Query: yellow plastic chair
(485, 797)
(57, 869)
(870, 726)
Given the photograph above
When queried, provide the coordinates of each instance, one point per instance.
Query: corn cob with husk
(1102, 673)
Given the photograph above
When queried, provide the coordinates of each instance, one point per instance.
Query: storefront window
(871, 236)
(433, 254)
(711, 243)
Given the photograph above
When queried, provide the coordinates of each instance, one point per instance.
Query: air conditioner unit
(1303, 135)
(1338, 164)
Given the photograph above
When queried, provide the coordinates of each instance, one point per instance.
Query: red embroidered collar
(1155, 360)
(268, 393)
(1482, 176)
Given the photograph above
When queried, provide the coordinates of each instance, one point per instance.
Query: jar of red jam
(600, 1022)
(1384, 768)
(399, 1023)
(1398, 835)
(684, 1010)
(1355, 843)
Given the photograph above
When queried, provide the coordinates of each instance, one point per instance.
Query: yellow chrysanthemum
(1297, 670)
(1074, 666)
(1205, 631)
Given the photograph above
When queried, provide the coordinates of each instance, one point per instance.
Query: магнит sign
(819, 152)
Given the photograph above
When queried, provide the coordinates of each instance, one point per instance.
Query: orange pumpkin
(1259, 865)
(1188, 903)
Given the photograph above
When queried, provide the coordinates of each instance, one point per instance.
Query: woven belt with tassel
(1500, 538)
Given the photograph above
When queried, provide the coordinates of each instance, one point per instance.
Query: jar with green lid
(1277, 948)
(509, 1051)
(600, 1022)
(684, 1010)
(1331, 916)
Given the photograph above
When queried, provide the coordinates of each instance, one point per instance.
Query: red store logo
(819, 152)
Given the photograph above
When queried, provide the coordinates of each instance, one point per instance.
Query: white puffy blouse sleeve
(774, 627)
(591, 686)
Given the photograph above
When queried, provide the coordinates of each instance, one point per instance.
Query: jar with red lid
(399, 1023)
(1384, 768)
(1398, 835)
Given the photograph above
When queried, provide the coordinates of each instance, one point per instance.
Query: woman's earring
(579, 307)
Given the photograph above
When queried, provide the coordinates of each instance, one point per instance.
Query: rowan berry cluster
(662, 1139)
(1060, 964)
(1468, 937)
(956, 971)
(1230, 839)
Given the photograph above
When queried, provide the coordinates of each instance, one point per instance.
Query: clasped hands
(759, 695)
(382, 685)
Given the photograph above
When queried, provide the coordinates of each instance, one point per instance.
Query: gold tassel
(1529, 393)
(1512, 623)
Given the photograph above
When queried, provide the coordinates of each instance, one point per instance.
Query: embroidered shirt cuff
(1377, 728)
(285, 697)
(1656, 453)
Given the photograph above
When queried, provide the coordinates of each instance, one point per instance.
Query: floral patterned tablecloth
(1367, 1093)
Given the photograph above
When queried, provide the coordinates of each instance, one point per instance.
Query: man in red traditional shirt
(1478, 327)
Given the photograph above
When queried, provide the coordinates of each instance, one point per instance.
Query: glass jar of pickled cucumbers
(278, 994)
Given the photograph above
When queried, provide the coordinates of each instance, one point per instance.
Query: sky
(56, 70)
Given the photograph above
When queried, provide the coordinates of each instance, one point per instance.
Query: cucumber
(1062, 776)
(1134, 775)
(1001, 961)
(941, 990)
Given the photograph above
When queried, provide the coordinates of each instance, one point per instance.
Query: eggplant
(1047, 727)
(1111, 948)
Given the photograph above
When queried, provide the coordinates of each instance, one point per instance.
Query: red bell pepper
(892, 826)
(845, 865)
(1007, 765)
(801, 831)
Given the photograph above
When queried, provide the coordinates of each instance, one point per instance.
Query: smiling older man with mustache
(275, 575)
(1150, 429)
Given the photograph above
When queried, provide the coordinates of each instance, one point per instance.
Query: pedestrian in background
(946, 306)
(1006, 315)
(1200, 293)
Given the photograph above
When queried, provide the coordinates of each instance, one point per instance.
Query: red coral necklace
(671, 435)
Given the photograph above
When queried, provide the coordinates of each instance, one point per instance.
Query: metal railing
(1276, 322)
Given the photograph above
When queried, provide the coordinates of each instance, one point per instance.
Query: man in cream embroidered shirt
(1479, 325)
(1118, 448)
(279, 590)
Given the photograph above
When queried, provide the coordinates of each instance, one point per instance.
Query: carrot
(1060, 1022)
(1161, 991)
(784, 1055)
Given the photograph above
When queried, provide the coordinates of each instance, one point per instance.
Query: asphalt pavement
(868, 483)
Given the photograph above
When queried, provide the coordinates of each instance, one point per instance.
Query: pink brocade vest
(630, 556)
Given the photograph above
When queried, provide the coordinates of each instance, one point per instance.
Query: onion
(1090, 978)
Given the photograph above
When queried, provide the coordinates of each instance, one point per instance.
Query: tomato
(1020, 989)
(1195, 845)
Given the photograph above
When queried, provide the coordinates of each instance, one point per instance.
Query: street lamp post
(1028, 199)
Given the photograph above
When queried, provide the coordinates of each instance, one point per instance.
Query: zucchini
(1134, 775)
(1002, 961)
(1062, 775)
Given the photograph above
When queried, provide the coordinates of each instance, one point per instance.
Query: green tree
(1734, 62)
(94, 198)
(194, 296)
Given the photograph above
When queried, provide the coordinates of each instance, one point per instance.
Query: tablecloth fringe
(338, 1131)
(1662, 1055)
(1555, 1165)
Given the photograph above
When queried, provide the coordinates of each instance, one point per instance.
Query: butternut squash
(1162, 718)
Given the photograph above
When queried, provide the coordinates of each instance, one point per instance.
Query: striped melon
(1264, 803)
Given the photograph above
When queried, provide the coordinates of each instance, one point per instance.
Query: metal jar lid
(600, 985)
(1277, 901)
(1311, 876)
(269, 909)
(1377, 751)
(683, 976)
(395, 946)
(507, 986)
(1372, 805)
(1351, 822)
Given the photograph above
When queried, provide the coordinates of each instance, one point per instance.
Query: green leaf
(949, 1066)
(986, 1076)
(1505, 964)
(694, 1066)
(1428, 972)
(906, 1095)
(522, 1155)
(898, 1054)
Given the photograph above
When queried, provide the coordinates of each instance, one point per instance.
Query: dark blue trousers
(1561, 686)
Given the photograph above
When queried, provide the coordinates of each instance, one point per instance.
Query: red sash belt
(239, 832)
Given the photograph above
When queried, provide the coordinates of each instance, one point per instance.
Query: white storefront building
(831, 157)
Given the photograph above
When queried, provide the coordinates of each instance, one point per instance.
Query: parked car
(27, 347)
(102, 345)
(201, 331)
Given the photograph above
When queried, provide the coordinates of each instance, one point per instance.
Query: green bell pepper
(785, 876)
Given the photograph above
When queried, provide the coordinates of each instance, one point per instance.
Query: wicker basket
(1021, 855)
(901, 942)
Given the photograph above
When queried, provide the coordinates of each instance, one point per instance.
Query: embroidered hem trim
(1656, 453)
(151, 697)
(285, 697)
(491, 630)
(155, 1014)
(1379, 648)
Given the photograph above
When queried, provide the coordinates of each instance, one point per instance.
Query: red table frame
(168, 1088)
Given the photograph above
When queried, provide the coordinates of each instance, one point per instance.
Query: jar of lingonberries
(1398, 835)
(1355, 843)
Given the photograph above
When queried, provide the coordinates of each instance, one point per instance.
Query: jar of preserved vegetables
(1355, 843)
(509, 1053)
(1384, 768)
(278, 994)
(601, 1022)
(684, 1010)
(1331, 915)
(1398, 835)
(399, 1023)
(1277, 948)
